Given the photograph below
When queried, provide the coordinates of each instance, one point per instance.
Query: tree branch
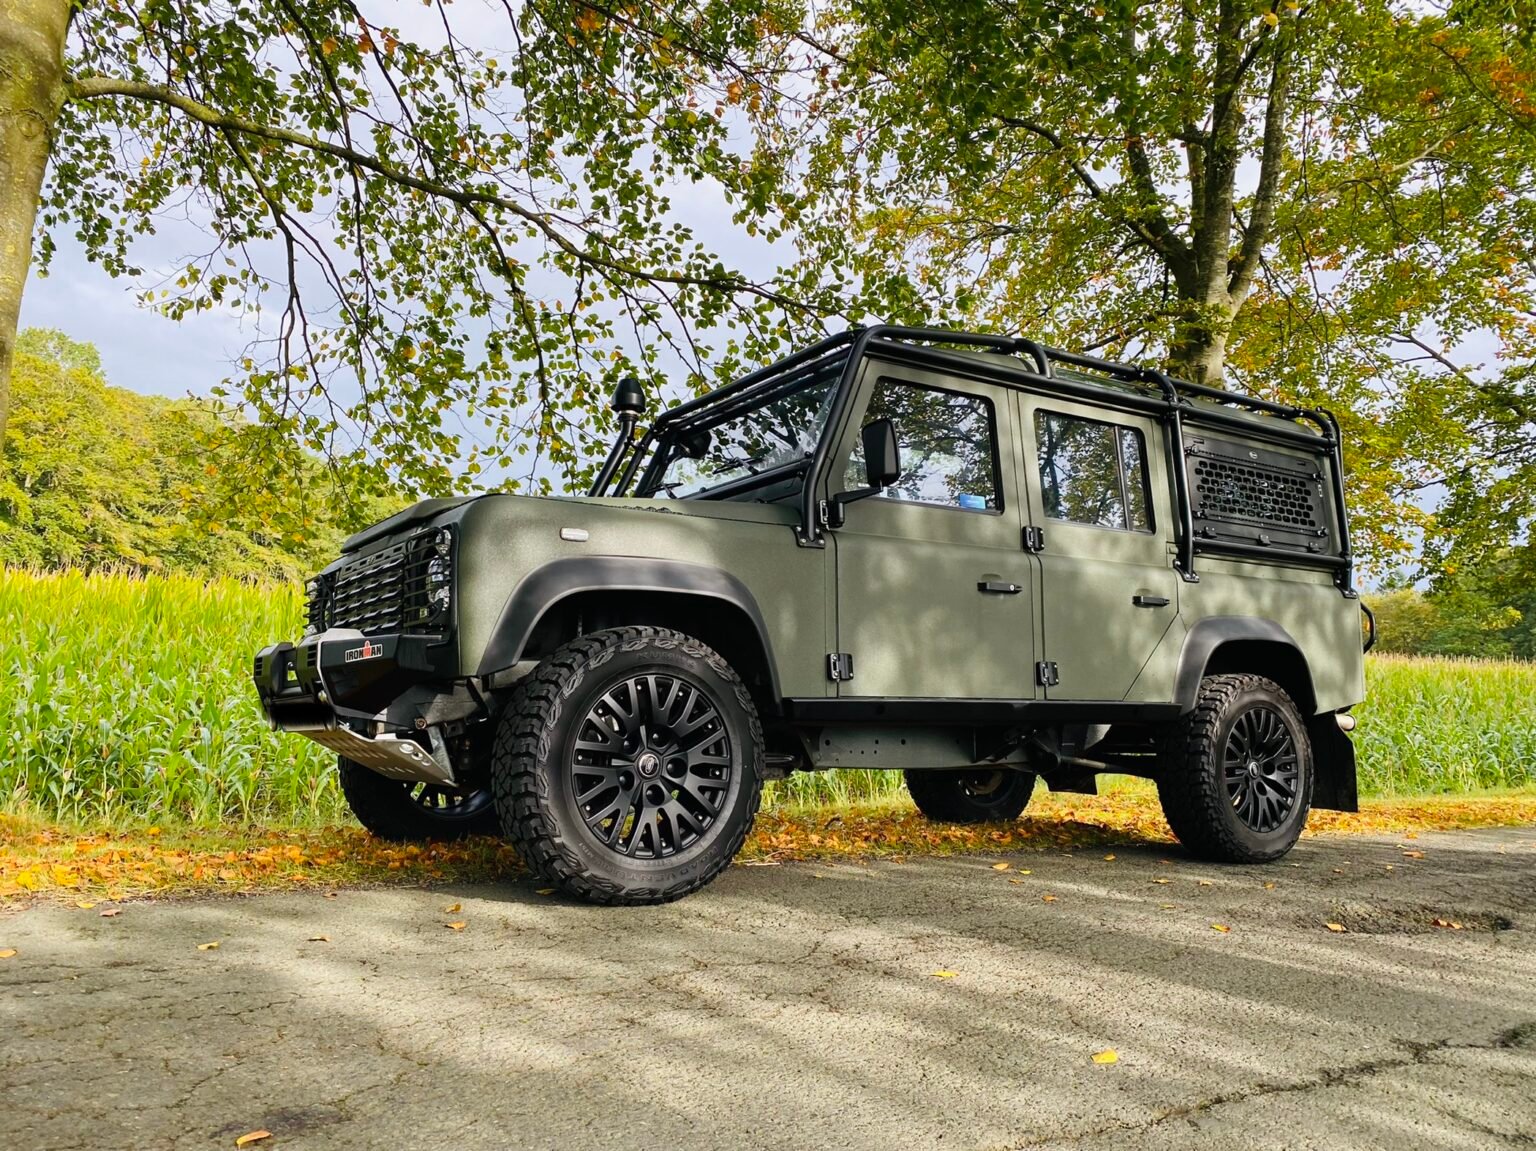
(97, 87)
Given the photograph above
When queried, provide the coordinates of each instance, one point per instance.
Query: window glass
(948, 447)
(1092, 473)
(781, 430)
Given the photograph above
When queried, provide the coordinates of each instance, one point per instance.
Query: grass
(127, 701)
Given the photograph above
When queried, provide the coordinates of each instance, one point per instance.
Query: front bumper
(329, 687)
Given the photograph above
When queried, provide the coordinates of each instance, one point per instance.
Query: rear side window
(948, 447)
(1092, 472)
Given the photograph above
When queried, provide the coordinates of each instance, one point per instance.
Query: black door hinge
(839, 666)
(1046, 674)
(1034, 539)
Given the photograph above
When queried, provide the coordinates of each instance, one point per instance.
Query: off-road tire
(983, 795)
(386, 808)
(532, 781)
(1192, 783)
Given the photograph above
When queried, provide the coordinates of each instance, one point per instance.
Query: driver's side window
(948, 446)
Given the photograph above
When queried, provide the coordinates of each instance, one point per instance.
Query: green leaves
(435, 244)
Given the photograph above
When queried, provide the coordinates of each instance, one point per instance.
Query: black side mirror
(882, 466)
(882, 454)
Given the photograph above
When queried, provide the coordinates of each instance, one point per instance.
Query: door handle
(999, 587)
(1150, 600)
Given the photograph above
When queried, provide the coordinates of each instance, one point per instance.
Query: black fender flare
(552, 582)
(1209, 634)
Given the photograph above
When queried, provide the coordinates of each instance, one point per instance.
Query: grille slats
(384, 591)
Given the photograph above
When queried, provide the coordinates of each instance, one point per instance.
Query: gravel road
(796, 1007)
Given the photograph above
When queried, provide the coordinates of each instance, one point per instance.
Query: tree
(423, 231)
(1321, 203)
(95, 476)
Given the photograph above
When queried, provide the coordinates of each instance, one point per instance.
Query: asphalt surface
(795, 1007)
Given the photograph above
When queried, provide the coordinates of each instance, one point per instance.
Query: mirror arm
(843, 499)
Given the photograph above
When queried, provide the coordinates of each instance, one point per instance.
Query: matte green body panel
(504, 538)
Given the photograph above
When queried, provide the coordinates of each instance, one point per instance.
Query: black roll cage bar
(1170, 401)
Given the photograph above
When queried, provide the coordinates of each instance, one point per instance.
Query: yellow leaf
(214, 946)
(1015, 881)
(1162, 881)
(1109, 859)
(1271, 19)
(545, 891)
(1221, 927)
(943, 974)
(1000, 866)
(1414, 854)
(318, 939)
(1334, 927)
(252, 1137)
(327, 46)
(8, 953)
(1205, 882)
(84, 904)
(1167, 906)
(1269, 887)
(153, 831)
(1047, 899)
(456, 925)
(1025, 871)
(1108, 1055)
(451, 908)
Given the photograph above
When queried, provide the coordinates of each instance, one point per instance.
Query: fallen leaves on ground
(74, 865)
(456, 925)
(1107, 1056)
(252, 1137)
(1221, 927)
(1335, 927)
(213, 946)
(8, 953)
(943, 974)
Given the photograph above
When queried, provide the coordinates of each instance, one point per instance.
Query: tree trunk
(31, 93)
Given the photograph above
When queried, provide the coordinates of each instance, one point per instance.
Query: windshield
(746, 436)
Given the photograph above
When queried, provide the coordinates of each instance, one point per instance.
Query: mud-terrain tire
(980, 795)
(628, 766)
(1236, 773)
(415, 812)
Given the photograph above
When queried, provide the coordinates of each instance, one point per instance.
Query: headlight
(439, 573)
(314, 606)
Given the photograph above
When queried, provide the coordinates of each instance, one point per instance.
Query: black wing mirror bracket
(882, 467)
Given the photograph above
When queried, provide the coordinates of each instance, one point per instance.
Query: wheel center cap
(1253, 769)
(649, 765)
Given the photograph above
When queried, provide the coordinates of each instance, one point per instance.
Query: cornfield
(127, 700)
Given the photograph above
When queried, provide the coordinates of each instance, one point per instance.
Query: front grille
(388, 590)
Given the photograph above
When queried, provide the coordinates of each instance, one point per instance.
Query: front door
(1099, 497)
(935, 594)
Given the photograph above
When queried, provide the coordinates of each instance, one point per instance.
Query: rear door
(1098, 501)
(935, 594)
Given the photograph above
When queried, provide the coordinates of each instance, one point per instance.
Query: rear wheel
(1236, 777)
(975, 795)
(628, 767)
(414, 812)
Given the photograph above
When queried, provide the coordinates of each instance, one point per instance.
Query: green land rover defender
(975, 559)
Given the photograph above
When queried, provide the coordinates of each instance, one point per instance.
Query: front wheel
(415, 812)
(975, 795)
(628, 768)
(1236, 777)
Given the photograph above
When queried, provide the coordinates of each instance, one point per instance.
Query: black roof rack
(1140, 389)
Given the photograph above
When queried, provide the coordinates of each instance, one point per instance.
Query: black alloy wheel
(416, 812)
(1262, 768)
(651, 765)
(970, 795)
